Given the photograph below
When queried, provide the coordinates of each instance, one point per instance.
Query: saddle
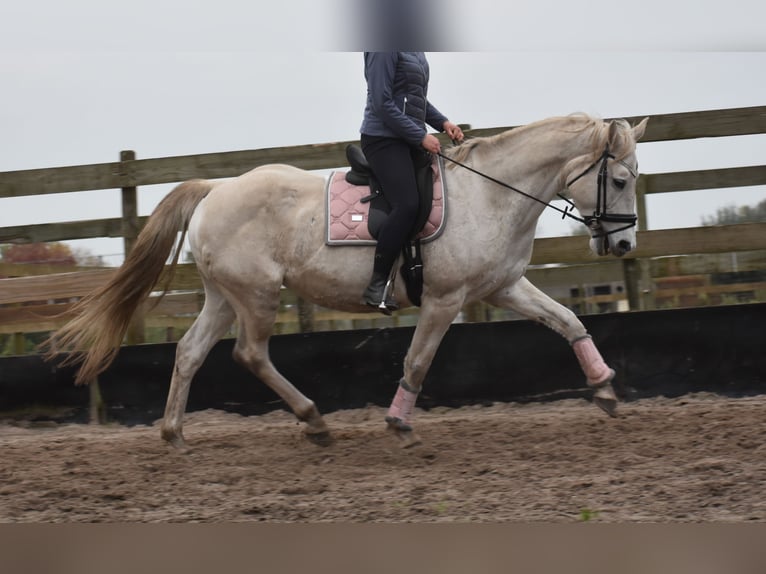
(357, 208)
(361, 174)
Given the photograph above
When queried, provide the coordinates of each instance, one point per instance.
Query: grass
(587, 514)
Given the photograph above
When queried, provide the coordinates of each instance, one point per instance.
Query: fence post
(475, 312)
(305, 315)
(643, 222)
(97, 407)
(645, 271)
(636, 271)
(631, 271)
(130, 232)
(19, 344)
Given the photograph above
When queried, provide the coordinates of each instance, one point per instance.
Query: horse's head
(602, 185)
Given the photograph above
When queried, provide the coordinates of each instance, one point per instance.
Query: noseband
(601, 213)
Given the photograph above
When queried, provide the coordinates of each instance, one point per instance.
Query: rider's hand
(431, 143)
(453, 131)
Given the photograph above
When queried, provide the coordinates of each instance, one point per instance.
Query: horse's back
(270, 193)
(263, 212)
(270, 184)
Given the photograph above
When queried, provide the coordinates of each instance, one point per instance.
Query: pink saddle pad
(347, 216)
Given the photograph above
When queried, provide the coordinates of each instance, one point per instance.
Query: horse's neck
(532, 162)
(536, 152)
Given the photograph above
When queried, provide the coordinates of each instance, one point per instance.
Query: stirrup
(387, 303)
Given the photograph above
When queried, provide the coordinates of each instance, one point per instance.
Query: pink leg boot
(591, 362)
(400, 411)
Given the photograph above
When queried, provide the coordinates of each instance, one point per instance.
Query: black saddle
(361, 174)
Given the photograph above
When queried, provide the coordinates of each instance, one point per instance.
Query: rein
(593, 222)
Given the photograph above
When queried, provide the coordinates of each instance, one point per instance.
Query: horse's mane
(573, 123)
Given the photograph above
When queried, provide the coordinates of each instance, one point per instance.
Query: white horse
(264, 229)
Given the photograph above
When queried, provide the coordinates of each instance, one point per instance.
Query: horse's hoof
(397, 424)
(180, 446)
(605, 398)
(403, 431)
(323, 438)
(408, 439)
(176, 440)
(609, 406)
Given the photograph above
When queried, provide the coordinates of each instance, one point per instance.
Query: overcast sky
(82, 80)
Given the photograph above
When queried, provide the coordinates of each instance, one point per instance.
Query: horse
(253, 234)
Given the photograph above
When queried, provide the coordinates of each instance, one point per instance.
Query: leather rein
(593, 222)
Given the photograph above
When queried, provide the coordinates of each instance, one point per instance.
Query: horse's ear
(638, 130)
(614, 131)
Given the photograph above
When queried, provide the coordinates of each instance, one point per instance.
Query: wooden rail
(32, 301)
(130, 173)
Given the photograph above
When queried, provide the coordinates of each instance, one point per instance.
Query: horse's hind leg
(256, 322)
(213, 322)
(528, 300)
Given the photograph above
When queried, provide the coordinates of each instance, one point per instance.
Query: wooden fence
(32, 296)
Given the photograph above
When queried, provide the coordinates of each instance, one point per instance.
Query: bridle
(593, 222)
(600, 213)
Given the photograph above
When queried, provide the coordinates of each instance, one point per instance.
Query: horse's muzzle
(602, 246)
(619, 249)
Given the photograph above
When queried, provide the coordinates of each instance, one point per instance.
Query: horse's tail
(101, 318)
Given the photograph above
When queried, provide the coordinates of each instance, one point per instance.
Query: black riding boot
(376, 290)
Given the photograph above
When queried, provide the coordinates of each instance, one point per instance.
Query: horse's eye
(619, 183)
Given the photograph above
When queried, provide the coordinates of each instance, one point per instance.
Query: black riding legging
(392, 161)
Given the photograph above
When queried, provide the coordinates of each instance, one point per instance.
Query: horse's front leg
(435, 318)
(525, 298)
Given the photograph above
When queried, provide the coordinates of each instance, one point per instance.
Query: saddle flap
(353, 211)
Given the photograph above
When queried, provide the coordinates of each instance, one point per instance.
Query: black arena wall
(670, 352)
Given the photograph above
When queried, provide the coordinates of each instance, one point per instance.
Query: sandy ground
(697, 458)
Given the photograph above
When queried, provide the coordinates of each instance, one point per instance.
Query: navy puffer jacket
(397, 97)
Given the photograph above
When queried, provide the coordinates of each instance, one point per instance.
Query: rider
(393, 136)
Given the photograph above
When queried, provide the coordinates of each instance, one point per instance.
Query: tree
(731, 214)
(49, 253)
(86, 258)
(42, 253)
(53, 253)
